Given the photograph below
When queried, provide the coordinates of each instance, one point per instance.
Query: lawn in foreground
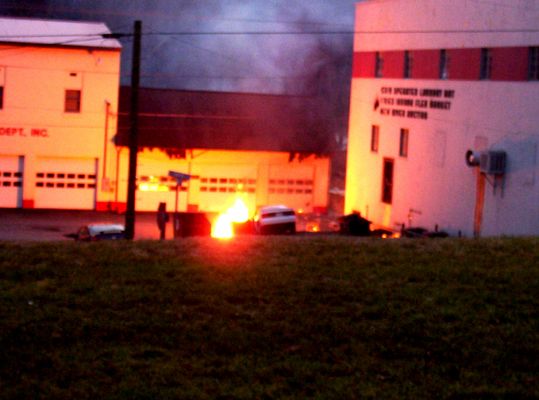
(270, 317)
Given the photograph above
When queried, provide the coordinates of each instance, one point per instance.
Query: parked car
(99, 231)
(275, 219)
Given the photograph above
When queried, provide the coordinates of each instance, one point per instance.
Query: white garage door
(11, 168)
(292, 186)
(154, 186)
(220, 185)
(66, 183)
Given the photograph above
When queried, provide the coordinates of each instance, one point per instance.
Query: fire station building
(64, 128)
(57, 81)
(444, 125)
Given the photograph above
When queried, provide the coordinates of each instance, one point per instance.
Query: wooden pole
(133, 137)
(479, 203)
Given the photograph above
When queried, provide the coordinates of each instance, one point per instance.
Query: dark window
(407, 64)
(72, 101)
(486, 64)
(533, 64)
(1, 97)
(378, 66)
(387, 182)
(375, 135)
(403, 144)
(444, 64)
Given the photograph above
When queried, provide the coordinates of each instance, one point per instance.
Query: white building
(433, 79)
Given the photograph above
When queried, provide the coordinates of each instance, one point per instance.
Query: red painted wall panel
(363, 64)
(464, 64)
(27, 203)
(509, 64)
(393, 64)
(425, 64)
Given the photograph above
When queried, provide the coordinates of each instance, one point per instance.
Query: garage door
(292, 186)
(154, 186)
(66, 183)
(11, 175)
(220, 185)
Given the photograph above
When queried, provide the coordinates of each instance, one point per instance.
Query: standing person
(162, 219)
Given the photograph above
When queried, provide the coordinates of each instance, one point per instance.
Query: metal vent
(493, 162)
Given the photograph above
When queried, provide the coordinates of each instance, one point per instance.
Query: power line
(117, 35)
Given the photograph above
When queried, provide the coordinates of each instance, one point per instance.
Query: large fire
(223, 227)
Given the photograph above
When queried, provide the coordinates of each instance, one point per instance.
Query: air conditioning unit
(492, 162)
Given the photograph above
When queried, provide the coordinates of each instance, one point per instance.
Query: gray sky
(255, 63)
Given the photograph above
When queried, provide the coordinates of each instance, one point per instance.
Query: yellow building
(58, 81)
(259, 147)
(63, 133)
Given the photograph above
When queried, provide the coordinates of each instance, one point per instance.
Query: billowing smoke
(302, 64)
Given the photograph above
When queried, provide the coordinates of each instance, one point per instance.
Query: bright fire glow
(223, 226)
(313, 227)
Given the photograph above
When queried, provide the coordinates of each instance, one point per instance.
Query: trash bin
(191, 224)
(354, 224)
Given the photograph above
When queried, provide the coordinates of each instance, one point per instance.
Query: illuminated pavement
(52, 225)
(45, 225)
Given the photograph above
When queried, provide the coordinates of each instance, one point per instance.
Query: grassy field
(270, 318)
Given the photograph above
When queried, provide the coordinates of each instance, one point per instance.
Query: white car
(100, 231)
(275, 219)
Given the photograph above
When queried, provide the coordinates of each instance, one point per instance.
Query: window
(403, 144)
(486, 64)
(407, 64)
(533, 64)
(375, 134)
(1, 97)
(387, 181)
(444, 67)
(379, 65)
(72, 101)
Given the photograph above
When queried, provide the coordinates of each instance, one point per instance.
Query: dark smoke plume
(306, 65)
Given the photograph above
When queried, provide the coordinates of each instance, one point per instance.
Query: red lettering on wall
(39, 133)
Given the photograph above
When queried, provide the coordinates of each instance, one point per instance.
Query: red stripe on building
(509, 64)
(464, 64)
(364, 64)
(425, 64)
(393, 64)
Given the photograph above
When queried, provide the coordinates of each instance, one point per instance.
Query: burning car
(275, 219)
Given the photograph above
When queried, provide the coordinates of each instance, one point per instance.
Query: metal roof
(55, 33)
(183, 119)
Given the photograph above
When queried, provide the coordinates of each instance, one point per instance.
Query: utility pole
(133, 136)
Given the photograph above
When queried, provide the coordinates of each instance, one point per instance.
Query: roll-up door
(291, 186)
(11, 176)
(66, 183)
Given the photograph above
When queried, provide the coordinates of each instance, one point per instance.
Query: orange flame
(223, 226)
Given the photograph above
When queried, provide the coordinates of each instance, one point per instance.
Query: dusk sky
(282, 63)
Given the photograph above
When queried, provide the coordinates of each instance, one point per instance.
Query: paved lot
(42, 225)
(45, 225)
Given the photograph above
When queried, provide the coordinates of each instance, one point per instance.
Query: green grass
(270, 318)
